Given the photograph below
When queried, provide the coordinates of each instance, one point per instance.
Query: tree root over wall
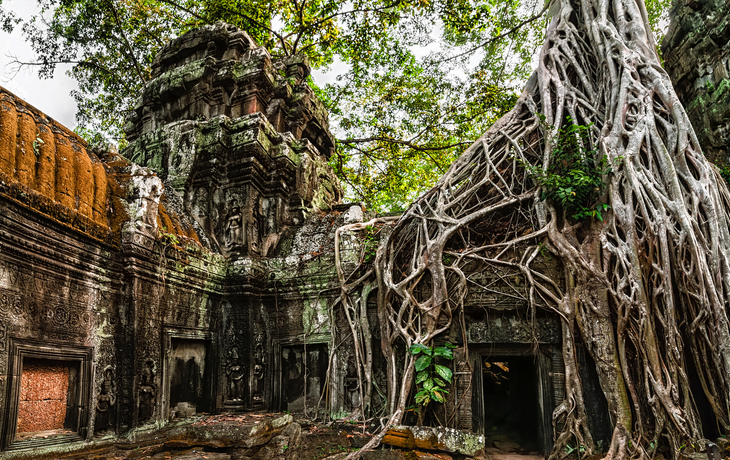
(646, 287)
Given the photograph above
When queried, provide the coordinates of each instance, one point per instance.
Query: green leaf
(423, 397)
(450, 345)
(422, 362)
(428, 385)
(421, 376)
(444, 372)
(439, 382)
(417, 348)
(443, 352)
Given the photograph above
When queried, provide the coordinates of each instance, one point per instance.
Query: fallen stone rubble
(258, 436)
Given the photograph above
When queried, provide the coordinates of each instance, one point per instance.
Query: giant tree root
(647, 286)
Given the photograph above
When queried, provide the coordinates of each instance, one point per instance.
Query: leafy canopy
(423, 79)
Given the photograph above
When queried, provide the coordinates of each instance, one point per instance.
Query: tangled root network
(645, 288)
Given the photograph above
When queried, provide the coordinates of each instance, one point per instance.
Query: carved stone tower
(241, 138)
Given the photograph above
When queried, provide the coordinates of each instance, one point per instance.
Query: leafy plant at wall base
(431, 378)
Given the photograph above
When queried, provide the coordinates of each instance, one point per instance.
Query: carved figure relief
(105, 404)
(258, 377)
(234, 372)
(147, 392)
(234, 234)
(254, 230)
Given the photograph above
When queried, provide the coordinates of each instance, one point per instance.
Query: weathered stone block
(435, 438)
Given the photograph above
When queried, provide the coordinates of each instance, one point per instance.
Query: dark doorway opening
(511, 408)
(710, 429)
(48, 399)
(303, 372)
(190, 377)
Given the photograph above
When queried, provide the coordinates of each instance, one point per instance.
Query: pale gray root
(646, 287)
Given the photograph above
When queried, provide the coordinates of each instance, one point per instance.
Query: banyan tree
(598, 166)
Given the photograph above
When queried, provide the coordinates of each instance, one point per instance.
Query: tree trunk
(649, 278)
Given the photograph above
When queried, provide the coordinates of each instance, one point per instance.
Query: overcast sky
(50, 96)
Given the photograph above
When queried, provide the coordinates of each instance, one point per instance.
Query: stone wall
(696, 53)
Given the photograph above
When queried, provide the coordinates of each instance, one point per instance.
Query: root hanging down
(645, 286)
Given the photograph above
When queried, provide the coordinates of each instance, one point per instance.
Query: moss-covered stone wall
(696, 52)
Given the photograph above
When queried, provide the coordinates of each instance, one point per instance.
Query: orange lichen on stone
(190, 232)
(84, 197)
(100, 193)
(166, 223)
(45, 180)
(25, 156)
(8, 134)
(43, 396)
(65, 181)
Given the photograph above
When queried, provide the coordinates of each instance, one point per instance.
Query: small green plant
(167, 238)
(37, 146)
(574, 178)
(370, 247)
(570, 449)
(431, 378)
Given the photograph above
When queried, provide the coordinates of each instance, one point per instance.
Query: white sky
(50, 96)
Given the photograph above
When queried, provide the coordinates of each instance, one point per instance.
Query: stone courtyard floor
(259, 436)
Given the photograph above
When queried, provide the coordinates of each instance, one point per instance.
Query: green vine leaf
(417, 348)
(423, 362)
(444, 352)
(444, 372)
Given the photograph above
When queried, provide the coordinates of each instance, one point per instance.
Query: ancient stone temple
(697, 57)
(194, 271)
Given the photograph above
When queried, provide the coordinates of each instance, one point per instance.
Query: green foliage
(37, 146)
(431, 378)
(573, 180)
(370, 247)
(167, 238)
(420, 80)
(724, 172)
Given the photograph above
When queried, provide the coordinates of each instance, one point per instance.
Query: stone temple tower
(239, 137)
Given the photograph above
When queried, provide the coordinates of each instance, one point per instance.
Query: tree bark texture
(646, 287)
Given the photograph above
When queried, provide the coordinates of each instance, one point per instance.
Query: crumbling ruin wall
(204, 252)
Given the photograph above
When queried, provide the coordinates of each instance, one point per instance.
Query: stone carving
(235, 374)
(699, 66)
(257, 390)
(234, 235)
(254, 230)
(106, 404)
(147, 393)
(246, 135)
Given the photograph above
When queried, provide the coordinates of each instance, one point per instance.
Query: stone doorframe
(211, 358)
(543, 364)
(277, 345)
(21, 349)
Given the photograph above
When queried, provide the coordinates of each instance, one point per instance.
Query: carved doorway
(49, 394)
(189, 380)
(512, 402)
(303, 370)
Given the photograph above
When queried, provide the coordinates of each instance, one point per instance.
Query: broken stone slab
(232, 434)
(282, 421)
(383, 455)
(435, 438)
